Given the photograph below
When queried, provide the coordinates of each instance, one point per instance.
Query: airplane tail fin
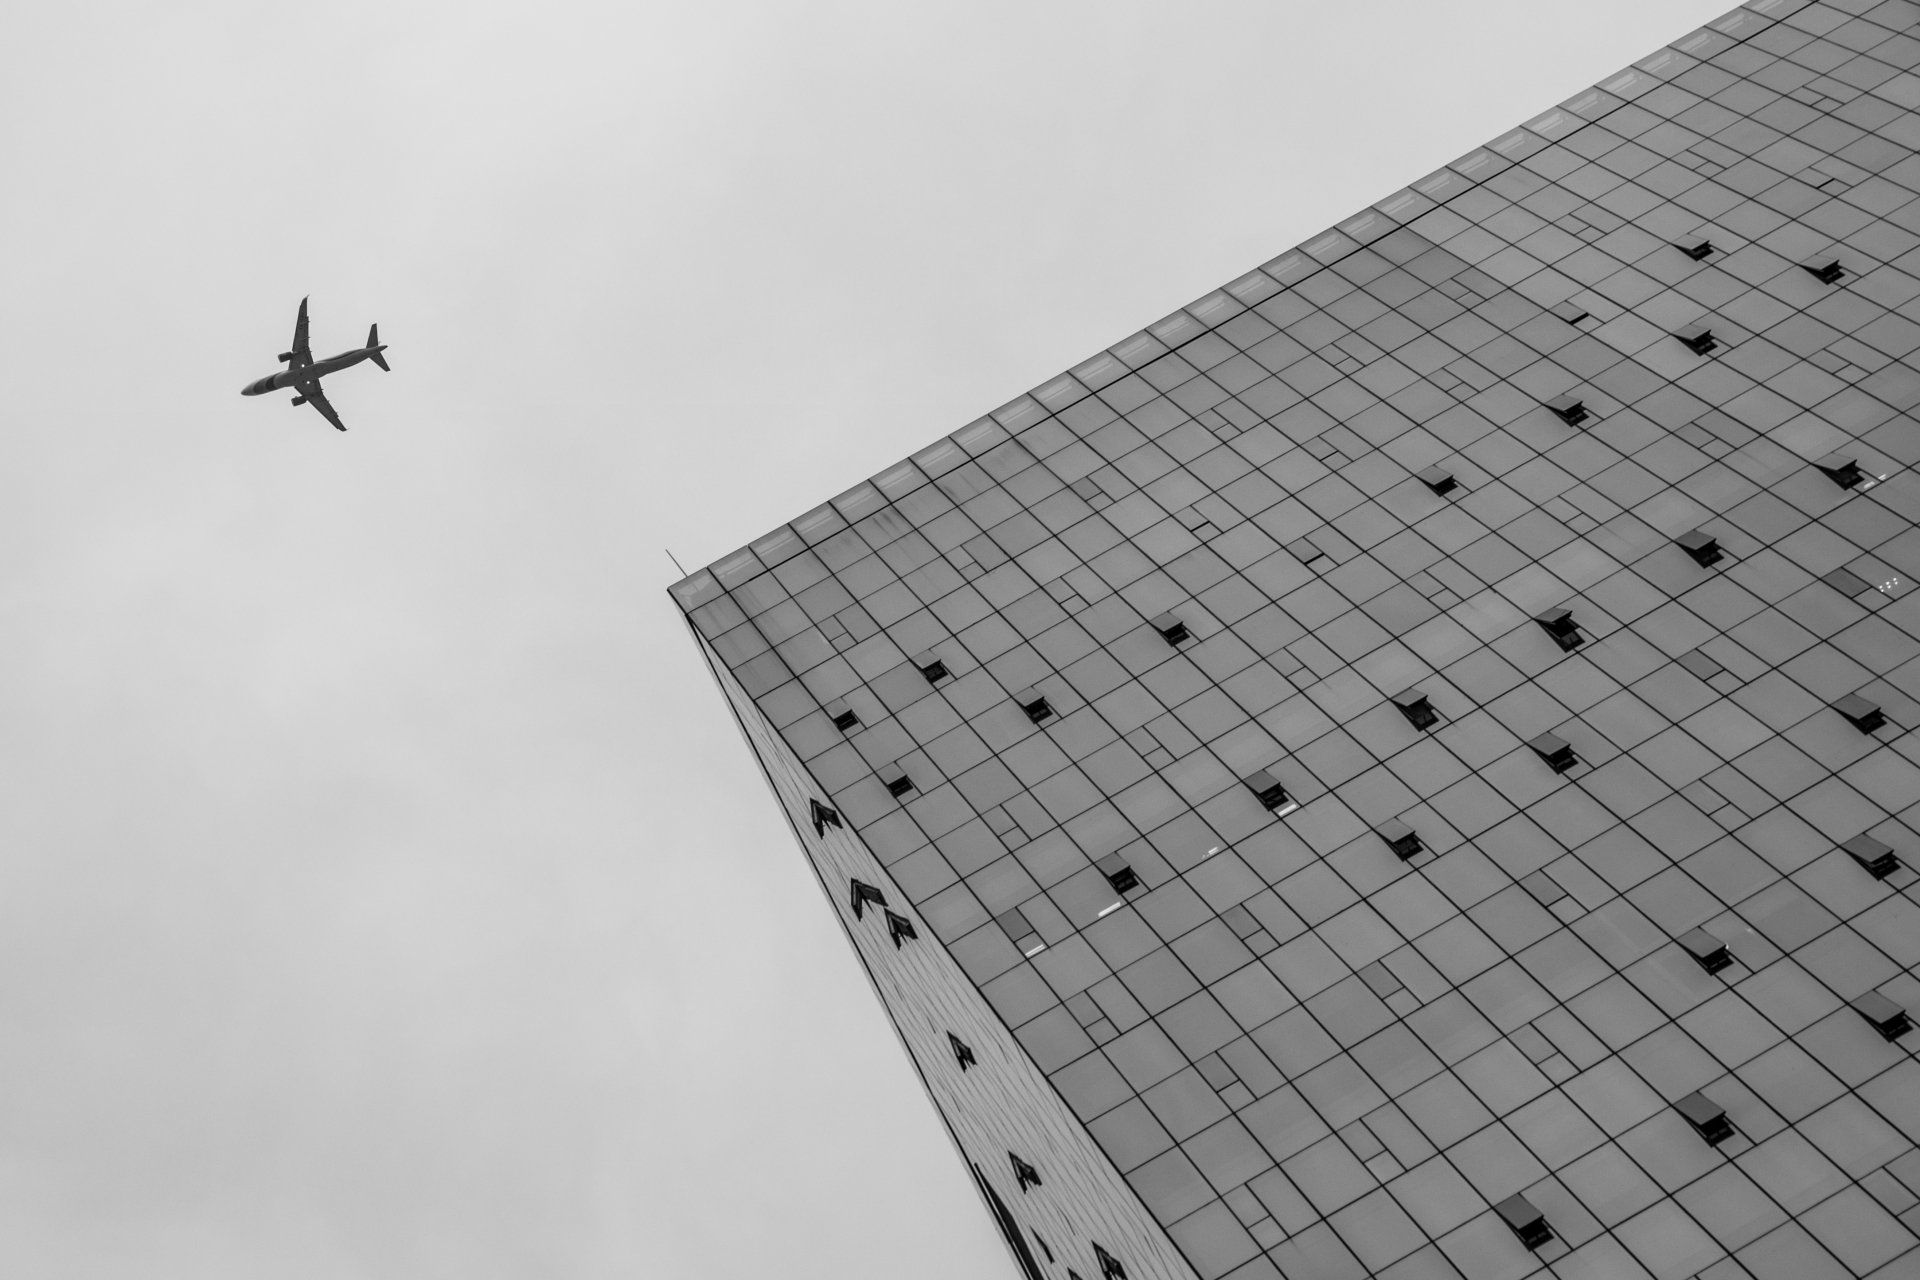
(373, 340)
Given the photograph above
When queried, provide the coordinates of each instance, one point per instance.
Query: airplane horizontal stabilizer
(373, 340)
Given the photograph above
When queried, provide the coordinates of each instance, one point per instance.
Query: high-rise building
(1406, 766)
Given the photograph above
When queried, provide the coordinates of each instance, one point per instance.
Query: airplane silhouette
(303, 372)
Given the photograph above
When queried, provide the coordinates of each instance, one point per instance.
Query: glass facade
(1404, 767)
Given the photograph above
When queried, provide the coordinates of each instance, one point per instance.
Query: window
(899, 928)
(1172, 628)
(1035, 704)
(1826, 272)
(1020, 932)
(961, 1053)
(1842, 470)
(844, 718)
(1400, 838)
(1118, 873)
(1416, 707)
(1559, 624)
(1702, 546)
(1110, 1268)
(1025, 1174)
(1696, 251)
(898, 783)
(1527, 1222)
(1267, 790)
(1698, 339)
(1888, 1018)
(1707, 949)
(1708, 1118)
(932, 667)
(823, 817)
(1555, 750)
(1864, 715)
(1439, 479)
(1874, 857)
(863, 893)
(1572, 312)
(1570, 409)
(1029, 1265)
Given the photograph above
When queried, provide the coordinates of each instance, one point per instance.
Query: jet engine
(285, 356)
(298, 400)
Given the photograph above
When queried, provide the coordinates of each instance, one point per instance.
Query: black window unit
(1570, 409)
(1527, 1222)
(844, 716)
(1266, 789)
(1707, 949)
(1702, 546)
(1696, 251)
(1555, 750)
(1699, 339)
(1035, 704)
(1825, 273)
(1439, 479)
(899, 928)
(1864, 715)
(1558, 622)
(1417, 708)
(1009, 1229)
(1888, 1018)
(1875, 857)
(1118, 873)
(962, 1054)
(1401, 838)
(1023, 1173)
(1842, 470)
(898, 783)
(863, 893)
(823, 816)
(1110, 1268)
(1174, 630)
(932, 667)
(1708, 1118)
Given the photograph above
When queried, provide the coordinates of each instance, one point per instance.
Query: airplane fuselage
(310, 373)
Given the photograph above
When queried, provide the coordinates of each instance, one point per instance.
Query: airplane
(303, 372)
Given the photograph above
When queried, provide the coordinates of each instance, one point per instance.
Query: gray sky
(383, 889)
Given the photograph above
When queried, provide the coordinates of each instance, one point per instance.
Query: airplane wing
(318, 399)
(302, 352)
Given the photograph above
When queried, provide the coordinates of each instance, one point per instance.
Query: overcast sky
(384, 891)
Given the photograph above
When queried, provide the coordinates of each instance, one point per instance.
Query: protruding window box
(1875, 858)
(1708, 1118)
(1172, 629)
(1825, 272)
(1401, 838)
(1559, 624)
(1417, 708)
(1842, 470)
(863, 895)
(1864, 715)
(1697, 251)
(1888, 1018)
(932, 667)
(1570, 409)
(1025, 1174)
(1555, 750)
(1571, 311)
(898, 783)
(1439, 479)
(899, 928)
(1699, 339)
(1707, 949)
(1702, 546)
(962, 1052)
(1035, 704)
(1269, 792)
(1110, 1268)
(1527, 1222)
(845, 718)
(1118, 873)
